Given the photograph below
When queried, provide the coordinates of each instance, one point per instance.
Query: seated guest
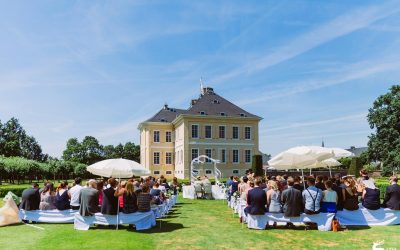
(273, 197)
(297, 185)
(30, 198)
(74, 193)
(120, 198)
(229, 182)
(160, 186)
(256, 200)
(156, 193)
(339, 193)
(144, 199)
(110, 201)
(329, 199)
(319, 182)
(100, 187)
(234, 187)
(62, 198)
(371, 196)
(350, 197)
(392, 195)
(48, 198)
(89, 199)
(130, 199)
(243, 187)
(174, 186)
(165, 184)
(292, 200)
(312, 197)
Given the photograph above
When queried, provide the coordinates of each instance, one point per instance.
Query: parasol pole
(330, 171)
(302, 173)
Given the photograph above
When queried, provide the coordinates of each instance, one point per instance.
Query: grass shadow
(166, 227)
(356, 228)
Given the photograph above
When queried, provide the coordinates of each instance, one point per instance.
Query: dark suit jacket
(30, 199)
(89, 201)
(392, 197)
(292, 202)
(110, 202)
(256, 200)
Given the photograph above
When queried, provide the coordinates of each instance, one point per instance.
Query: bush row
(17, 169)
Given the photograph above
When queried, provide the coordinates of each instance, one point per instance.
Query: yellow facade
(182, 143)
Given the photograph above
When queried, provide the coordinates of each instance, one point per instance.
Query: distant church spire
(323, 144)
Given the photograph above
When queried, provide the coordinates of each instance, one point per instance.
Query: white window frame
(166, 156)
(238, 171)
(159, 172)
(245, 156)
(170, 136)
(154, 158)
(205, 153)
(233, 156)
(249, 133)
(205, 132)
(205, 171)
(191, 131)
(170, 172)
(238, 133)
(220, 153)
(154, 136)
(191, 153)
(219, 131)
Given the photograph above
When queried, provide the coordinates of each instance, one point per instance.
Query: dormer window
(222, 114)
(202, 113)
(215, 102)
(163, 120)
(242, 115)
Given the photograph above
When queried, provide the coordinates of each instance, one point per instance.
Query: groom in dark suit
(392, 195)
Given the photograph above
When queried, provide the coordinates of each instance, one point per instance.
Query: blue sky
(311, 69)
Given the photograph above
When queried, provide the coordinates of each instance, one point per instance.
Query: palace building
(211, 126)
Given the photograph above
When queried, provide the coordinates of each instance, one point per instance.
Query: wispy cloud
(349, 73)
(353, 117)
(340, 26)
(128, 128)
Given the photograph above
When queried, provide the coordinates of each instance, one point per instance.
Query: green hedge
(16, 190)
(382, 188)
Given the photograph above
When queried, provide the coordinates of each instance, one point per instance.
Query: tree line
(21, 156)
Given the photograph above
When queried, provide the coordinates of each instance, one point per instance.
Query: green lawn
(194, 224)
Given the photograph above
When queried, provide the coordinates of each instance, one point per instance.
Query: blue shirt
(229, 183)
(310, 195)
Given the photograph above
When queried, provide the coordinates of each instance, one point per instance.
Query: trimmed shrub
(257, 165)
(355, 167)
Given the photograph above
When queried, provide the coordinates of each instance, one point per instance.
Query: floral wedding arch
(194, 172)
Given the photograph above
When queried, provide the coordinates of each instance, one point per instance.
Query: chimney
(193, 102)
(208, 90)
(165, 106)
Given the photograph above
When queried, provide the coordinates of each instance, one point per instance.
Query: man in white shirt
(74, 194)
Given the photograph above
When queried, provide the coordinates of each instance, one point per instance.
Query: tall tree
(14, 141)
(384, 117)
(74, 151)
(93, 150)
(131, 151)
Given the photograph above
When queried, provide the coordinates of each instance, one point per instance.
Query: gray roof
(166, 114)
(357, 151)
(213, 104)
(208, 103)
